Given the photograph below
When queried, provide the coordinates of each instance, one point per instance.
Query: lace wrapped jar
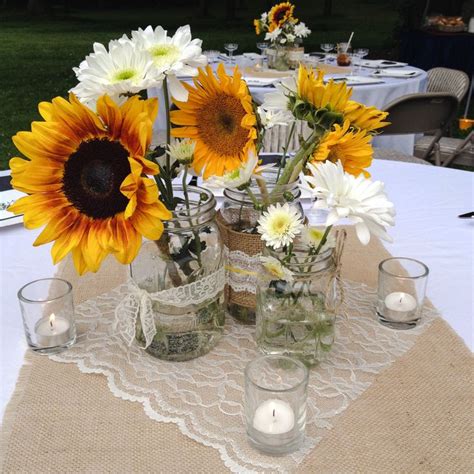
(283, 58)
(297, 317)
(180, 280)
(238, 222)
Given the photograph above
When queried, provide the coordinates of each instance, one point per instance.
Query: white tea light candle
(400, 302)
(274, 417)
(52, 331)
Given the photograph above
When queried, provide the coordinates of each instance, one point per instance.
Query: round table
(377, 95)
(429, 231)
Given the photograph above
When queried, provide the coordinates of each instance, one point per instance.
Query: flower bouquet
(285, 32)
(98, 186)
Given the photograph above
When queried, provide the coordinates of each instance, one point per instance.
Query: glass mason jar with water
(297, 318)
(182, 277)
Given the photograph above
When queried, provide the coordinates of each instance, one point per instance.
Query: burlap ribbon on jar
(241, 272)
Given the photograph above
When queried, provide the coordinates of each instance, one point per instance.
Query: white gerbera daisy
(174, 56)
(301, 30)
(276, 269)
(278, 100)
(182, 151)
(240, 176)
(270, 118)
(359, 199)
(312, 236)
(279, 225)
(273, 35)
(118, 72)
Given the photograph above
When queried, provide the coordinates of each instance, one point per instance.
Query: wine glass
(327, 48)
(231, 47)
(361, 53)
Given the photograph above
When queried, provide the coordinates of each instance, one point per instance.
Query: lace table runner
(204, 397)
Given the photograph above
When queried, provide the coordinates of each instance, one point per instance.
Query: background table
(428, 49)
(427, 198)
(377, 95)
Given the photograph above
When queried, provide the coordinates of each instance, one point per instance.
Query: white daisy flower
(290, 37)
(273, 35)
(174, 56)
(275, 269)
(279, 225)
(117, 72)
(301, 30)
(360, 199)
(270, 118)
(312, 236)
(278, 100)
(182, 151)
(240, 176)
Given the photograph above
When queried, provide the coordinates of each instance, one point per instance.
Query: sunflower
(311, 89)
(351, 147)
(280, 14)
(366, 118)
(85, 179)
(257, 25)
(335, 96)
(219, 116)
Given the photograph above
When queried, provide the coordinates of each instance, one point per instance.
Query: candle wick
(51, 323)
(274, 413)
(401, 299)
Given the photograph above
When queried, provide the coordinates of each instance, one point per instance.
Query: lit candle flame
(51, 320)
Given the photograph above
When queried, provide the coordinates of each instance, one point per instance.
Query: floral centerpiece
(98, 186)
(285, 32)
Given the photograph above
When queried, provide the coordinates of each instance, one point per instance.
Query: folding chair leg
(437, 154)
(459, 149)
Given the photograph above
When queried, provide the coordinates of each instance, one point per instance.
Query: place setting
(217, 271)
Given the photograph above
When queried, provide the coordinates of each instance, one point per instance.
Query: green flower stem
(323, 240)
(263, 191)
(252, 196)
(168, 123)
(294, 166)
(285, 149)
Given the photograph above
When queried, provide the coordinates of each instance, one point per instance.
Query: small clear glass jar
(297, 318)
(275, 403)
(244, 244)
(47, 309)
(189, 255)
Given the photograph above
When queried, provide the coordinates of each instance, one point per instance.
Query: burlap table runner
(416, 417)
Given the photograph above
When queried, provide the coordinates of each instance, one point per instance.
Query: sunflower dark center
(93, 175)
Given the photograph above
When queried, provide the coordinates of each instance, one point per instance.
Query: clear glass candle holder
(275, 403)
(47, 309)
(401, 292)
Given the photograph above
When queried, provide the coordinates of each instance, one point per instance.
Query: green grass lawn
(37, 55)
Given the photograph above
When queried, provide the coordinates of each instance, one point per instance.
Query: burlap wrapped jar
(237, 220)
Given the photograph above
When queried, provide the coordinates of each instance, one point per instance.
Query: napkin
(260, 81)
(252, 56)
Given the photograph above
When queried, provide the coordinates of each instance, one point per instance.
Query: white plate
(7, 197)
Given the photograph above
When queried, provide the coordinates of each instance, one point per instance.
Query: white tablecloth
(428, 200)
(377, 95)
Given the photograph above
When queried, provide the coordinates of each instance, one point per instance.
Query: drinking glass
(343, 54)
(401, 292)
(262, 46)
(231, 47)
(212, 55)
(327, 48)
(361, 53)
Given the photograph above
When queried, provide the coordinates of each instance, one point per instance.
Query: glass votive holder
(275, 403)
(401, 292)
(47, 309)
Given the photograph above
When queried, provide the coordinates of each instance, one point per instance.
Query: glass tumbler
(275, 403)
(401, 292)
(47, 309)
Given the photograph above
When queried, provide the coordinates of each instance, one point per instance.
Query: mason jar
(182, 277)
(297, 317)
(239, 220)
